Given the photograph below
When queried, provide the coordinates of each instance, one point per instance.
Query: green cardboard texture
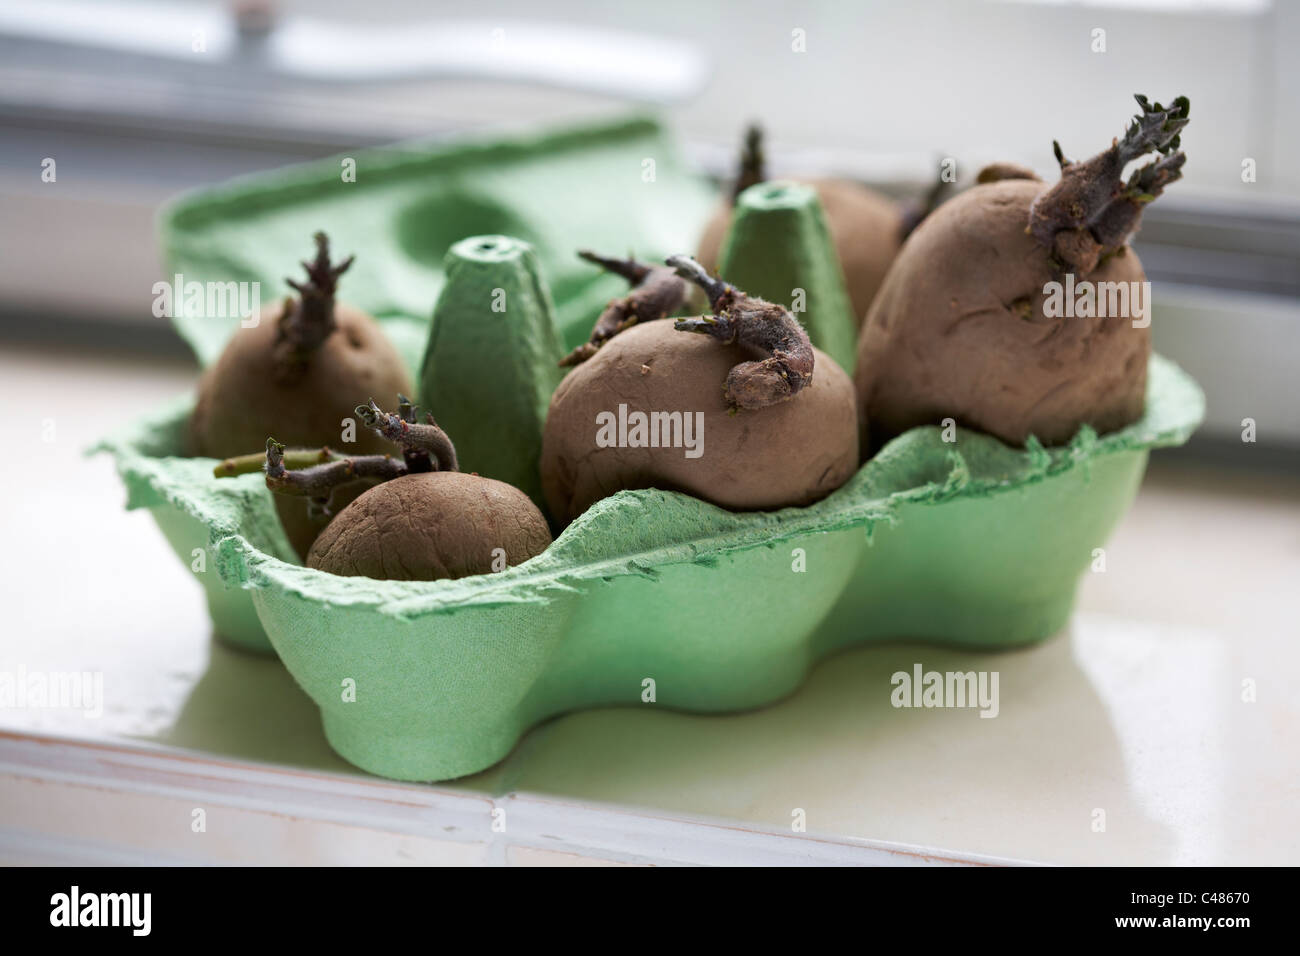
(779, 249)
(600, 187)
(970, 542)
(967, 542)
(493, 359)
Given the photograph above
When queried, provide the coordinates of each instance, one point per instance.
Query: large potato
(959, 331)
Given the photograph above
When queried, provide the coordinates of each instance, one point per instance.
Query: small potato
(429, 526)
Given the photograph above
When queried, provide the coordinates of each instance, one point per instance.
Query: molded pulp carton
(968, 542)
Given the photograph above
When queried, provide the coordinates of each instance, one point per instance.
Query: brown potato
(791, 453)
(243, 399)
(429, 526)
(958, 330)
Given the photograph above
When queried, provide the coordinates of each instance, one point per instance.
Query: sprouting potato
(421, 518)
(746, 414)
(965, 326)
(296, 374)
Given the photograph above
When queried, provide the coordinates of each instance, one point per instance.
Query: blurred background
(142, 100)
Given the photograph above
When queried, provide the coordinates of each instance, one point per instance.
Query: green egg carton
(651, 595)
(400, 209)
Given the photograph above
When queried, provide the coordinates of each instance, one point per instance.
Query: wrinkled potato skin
(865, 228)
(789, 454)
(942, 341)
(430, 526)
(241, 403)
